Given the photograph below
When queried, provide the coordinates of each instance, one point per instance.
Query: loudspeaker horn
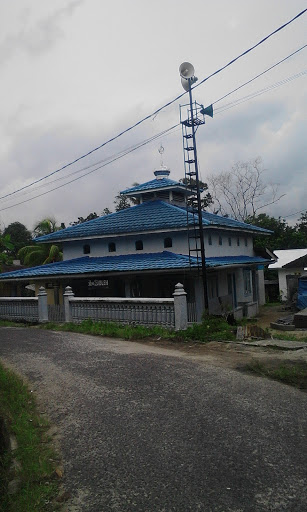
(186, 70)
(208, 111)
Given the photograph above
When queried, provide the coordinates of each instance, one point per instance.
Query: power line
(94, 170)
(107, 160)
(160, 108)
(260, 74)
(292, 214)
(237, 102)
(128, 150)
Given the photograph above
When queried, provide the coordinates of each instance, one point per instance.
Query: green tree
(106, 211)
(40, 254)
(45, 227)
(80, 220)
(5, 246)
(283, 237)
(206, 199)
(123, 202)
(301, 226)
(20, 237)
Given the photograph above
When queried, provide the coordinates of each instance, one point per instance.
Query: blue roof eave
(164, 261)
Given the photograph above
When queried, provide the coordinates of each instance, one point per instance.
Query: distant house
(143, 251)
(290, 266)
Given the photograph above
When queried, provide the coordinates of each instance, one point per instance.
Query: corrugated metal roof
(287, 256)
(153, 185)
(126, 263)
(148, 216)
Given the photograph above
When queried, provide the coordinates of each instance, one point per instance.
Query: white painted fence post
(42, 305)
(67, 309)
(181, 308)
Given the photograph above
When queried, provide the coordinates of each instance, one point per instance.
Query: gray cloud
(40, 37)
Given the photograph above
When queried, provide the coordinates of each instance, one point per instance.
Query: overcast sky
(75, 73)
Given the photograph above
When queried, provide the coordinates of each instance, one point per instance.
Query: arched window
(168, 242)
(86, 249)
(112, 247)
(139, 245)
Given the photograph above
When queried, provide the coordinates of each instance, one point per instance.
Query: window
(229, 241)
(245, 241)
(168, 242)
(210, 240)
(139, 245)
(86, 249)
(220, 240)
(247, 282)
(112, 247)
(213, 290)
(238, 241)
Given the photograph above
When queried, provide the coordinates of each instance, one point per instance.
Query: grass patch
(8, 323)
(39, 484)
(272, 304)
(211, 329)
(289, 337)
(288, 373)
(112, 330)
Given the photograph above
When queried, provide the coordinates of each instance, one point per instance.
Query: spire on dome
(163, 171)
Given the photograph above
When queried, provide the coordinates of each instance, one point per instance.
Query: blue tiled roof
(153, 185)
(130, 262)
(148, 216)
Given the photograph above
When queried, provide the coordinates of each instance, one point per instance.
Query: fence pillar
(42, 305)
(67, 309)
(180, 307)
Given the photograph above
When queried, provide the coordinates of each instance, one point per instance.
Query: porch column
(181, 309)
(128, 287)
(67, 295)
(42, 305)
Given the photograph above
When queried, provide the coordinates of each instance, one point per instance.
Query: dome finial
(161, 151)
(163, 172)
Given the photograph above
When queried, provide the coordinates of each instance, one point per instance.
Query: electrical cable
(160, 108)
(292, 214)
(260, 74)
(237, 102)
(93, 170)
(104, 160)
(126, 151)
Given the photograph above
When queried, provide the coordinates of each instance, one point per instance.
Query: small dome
(163, 172)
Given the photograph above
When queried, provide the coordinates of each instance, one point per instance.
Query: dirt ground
(237, 355)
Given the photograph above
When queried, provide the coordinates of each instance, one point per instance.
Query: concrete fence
(168, 312)
(28, 309)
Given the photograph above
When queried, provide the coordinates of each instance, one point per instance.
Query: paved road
(144, 429)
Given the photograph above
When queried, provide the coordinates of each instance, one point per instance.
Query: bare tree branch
(242, 192)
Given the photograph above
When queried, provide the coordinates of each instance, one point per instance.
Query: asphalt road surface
(145, 429)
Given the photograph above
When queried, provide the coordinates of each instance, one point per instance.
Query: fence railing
(19, 308)
(169, 312)
(138, 311)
